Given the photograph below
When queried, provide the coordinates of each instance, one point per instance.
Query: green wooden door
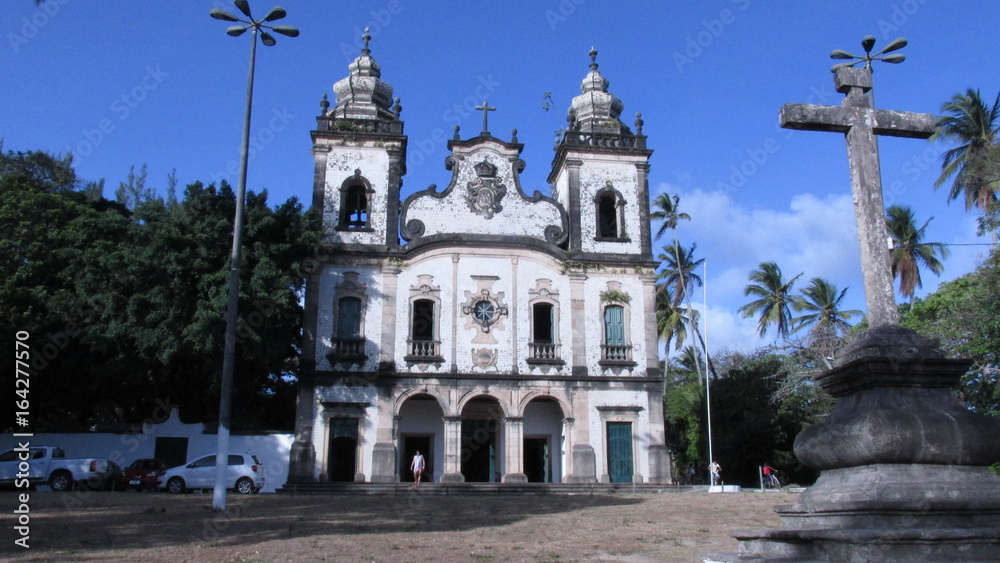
(620, 452)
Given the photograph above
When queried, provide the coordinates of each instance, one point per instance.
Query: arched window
(544, 345)
(424, 344)
(616, 349)
(609, 211)
(355, 203)
(349, 318)
(356, 208)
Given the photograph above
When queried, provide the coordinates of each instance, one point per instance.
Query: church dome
(363, 94)
(596, 110)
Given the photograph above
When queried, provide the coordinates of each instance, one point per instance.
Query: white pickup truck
(47, 465)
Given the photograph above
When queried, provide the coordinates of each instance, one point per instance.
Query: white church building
(510, 337)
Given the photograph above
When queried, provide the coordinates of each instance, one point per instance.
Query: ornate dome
(363, 94)
(596, 110)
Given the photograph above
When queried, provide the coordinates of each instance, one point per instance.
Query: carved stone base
(584, 464)
(903, 465)
(301, 463)
(384, 463)
(887, 512)
(452, 478)
(514, 478)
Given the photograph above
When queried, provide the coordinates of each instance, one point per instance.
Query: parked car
(49, 465)
(142, 475)
(245, 474)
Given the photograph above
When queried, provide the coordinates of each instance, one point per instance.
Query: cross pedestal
(903, 464)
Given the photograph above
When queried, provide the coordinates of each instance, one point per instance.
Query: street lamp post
(225, 395)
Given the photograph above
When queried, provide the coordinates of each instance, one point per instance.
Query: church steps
(480, 489)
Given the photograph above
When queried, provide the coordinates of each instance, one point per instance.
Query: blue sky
(122, 83)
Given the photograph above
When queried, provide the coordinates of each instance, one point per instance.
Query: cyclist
(770, 479)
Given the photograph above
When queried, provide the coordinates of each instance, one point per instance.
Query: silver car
(245, 475)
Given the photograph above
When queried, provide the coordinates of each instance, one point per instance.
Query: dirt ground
(132, 526)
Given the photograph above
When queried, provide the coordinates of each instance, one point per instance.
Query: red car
(143, 474)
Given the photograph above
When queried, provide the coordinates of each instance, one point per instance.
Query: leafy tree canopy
(125, 301)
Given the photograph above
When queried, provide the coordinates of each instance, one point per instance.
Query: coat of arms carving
(486, 191)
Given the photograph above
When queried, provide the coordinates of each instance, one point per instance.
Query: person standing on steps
(417, 467)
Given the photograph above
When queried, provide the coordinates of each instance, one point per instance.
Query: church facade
(508, 337)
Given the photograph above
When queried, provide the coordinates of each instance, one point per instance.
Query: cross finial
(485, 108)
(366, 38)
(593, 58)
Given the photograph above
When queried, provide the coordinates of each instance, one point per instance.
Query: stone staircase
(483, 489)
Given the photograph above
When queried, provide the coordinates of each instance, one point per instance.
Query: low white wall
(271, 449)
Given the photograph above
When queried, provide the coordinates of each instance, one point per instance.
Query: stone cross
(861, 122)
(485, 107)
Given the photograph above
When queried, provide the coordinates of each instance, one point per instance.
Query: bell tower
(359, 152)
(599, 174)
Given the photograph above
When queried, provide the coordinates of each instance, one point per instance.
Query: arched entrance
(482, 441)
(421, 427)
(543, 441)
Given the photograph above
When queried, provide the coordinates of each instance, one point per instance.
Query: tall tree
(909, 252)
(678, 273)
(774, 300)
(821, 301)
(126, 307)
(665, 208)
(975, 126)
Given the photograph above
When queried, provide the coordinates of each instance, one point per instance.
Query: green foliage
(964, 315)
(774, 299)
(760, 402)
(126, 307)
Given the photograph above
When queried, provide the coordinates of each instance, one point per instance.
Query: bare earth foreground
(132, 526)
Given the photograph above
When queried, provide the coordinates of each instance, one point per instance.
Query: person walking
(417, 467)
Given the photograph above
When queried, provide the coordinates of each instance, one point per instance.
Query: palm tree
(665, 209)
(977, 128)
(822, 303)
(678, 272)
(909, 254)
(774, 299)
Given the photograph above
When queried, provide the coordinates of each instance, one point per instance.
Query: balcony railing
(424, 351)
(604, 140)
(616, 355)
(346, 125)
(543, 353)
(347, 350)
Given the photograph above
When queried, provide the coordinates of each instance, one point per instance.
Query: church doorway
(542, 460)
(411, 445)
(481, 458)
(342, 454)
(620, 452)
(537, 460)
(420, 427)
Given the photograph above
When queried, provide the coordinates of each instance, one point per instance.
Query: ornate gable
(484, 198)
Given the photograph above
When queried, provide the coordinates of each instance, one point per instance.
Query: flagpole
(708, 394)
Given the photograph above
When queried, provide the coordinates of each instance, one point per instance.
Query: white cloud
(815, 236)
